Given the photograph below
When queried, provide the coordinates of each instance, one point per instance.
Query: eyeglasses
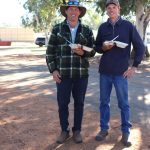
(73, 3)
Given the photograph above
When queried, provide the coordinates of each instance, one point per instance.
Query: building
(17, 34)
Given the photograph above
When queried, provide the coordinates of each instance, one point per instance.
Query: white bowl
(108, 43)
(85, 48)
(88, 49)
(120, 44)
(73, 46)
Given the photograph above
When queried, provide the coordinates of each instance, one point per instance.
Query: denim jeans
(77, 87)
(121, 87)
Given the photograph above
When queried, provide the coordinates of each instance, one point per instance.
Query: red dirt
(29, 121)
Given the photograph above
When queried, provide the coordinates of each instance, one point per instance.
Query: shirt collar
(118, 21)
(65, 22)
(74, 27)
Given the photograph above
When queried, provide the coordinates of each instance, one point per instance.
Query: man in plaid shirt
(69, 66)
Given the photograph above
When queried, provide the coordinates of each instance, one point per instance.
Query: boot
(63, 136)
(77, 137)
(124, 140)
(101, 135)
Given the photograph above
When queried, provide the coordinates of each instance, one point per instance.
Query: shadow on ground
(28, 108)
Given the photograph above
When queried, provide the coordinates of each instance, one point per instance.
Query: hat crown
(116, 2)
(73, 3)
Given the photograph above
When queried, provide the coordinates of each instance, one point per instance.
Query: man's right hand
(56, 76)
(107, 45)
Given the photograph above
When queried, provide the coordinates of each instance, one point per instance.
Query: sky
(11, 12)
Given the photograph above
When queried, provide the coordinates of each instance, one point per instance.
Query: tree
(92, 17)
(142, 11)
(40, 14)
(139, 8)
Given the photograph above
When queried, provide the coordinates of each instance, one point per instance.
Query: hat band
(73, 3)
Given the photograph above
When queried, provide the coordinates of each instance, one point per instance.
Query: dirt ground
(29, 113)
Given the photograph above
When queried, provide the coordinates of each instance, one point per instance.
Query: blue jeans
(121, 87)
(78, 88)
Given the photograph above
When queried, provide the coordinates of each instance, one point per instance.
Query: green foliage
(40, 13)
(92, 18)
(127, 6)
(43, 14)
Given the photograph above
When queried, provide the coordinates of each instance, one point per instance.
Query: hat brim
(64, 7)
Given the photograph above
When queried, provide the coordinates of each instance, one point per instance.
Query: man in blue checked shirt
(68, 63)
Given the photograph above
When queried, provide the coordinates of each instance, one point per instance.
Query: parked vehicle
(147, 37)
(40, 41)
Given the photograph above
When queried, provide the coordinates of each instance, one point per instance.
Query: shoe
(77, 137)
(124, 140)
(63, 136)
(101, 135)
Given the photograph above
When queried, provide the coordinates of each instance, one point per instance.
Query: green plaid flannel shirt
(59, 55)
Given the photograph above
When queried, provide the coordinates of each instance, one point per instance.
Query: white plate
(88, 49)
(120, 44)
(73, 46)
(108, 43)
(85, 48)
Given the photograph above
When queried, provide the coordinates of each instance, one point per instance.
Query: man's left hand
(130, 72)
(79, 50)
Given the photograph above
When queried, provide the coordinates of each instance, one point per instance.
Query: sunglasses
(73, 3)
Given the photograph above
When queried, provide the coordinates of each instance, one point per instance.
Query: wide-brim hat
(73, 3)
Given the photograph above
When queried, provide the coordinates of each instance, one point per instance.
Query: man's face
(73, 13)
(113, 11)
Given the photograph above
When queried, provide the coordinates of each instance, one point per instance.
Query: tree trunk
(139, 12)
(142, 19)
